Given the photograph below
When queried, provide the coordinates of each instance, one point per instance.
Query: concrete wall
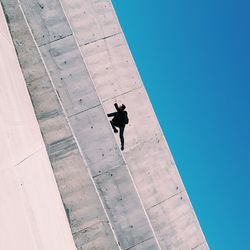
(76, 64)
(113, 71)
(103, 207)
(88, 221)
(31, 211)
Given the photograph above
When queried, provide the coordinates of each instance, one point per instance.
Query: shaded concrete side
(88, 221)
(149, 159)
(81, 106)
(31, 210)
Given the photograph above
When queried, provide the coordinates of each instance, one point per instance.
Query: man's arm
(112, 114)
(116, 106)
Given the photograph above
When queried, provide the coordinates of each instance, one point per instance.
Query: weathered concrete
(76, 64)
(31, 211)
(71, 118)
(116, 79)
(89, 223)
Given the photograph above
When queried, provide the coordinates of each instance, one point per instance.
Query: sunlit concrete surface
(116, 79)
(88, 221)
(103, 207)
(76, 64)
(31, 211)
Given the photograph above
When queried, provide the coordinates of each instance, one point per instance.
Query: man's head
(122, 107)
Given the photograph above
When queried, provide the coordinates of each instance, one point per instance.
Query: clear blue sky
(194, 59)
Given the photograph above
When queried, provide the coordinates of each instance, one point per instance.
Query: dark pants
(121, 131)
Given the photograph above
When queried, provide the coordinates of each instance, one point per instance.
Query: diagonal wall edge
(149, 159)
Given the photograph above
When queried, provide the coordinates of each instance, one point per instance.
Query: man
(120, 119)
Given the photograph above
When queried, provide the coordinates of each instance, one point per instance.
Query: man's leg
(113, 126)
(122, 137)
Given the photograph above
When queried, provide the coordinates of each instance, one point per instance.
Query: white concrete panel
(111, 67)
(123, 207)
(92, 20)
(96, 141)
(153, 171)
(31, 210)
(43, 204)
(47, 18)
(175, 223)
(100, 234)
(22, 44)
(77, 190)
(16, 232)
(70, 75)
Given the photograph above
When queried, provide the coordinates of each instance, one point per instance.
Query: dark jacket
(120, 117)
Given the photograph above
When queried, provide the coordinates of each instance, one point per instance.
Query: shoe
(122, 147)
(115, 131)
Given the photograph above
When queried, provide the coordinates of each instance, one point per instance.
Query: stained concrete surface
(89, 223)
(61, 109)
(76, 66)
(31, 211)
(149, 159)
